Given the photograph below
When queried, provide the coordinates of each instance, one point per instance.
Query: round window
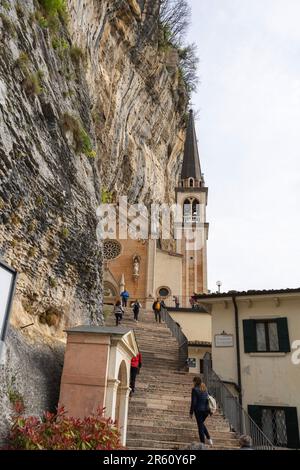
(164, 292)
(111, 249)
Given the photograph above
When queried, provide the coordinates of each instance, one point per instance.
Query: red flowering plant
(57, 431)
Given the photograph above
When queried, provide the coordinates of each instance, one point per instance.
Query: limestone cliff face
(137, 97)
(93, 105)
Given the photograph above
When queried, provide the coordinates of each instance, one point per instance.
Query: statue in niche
(136, 266)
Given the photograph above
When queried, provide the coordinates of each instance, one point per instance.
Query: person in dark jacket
(199, 407)
(136, 310)
(156, 307)
(136, 364)
(118, 311)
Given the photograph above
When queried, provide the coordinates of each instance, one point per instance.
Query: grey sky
(249, 138)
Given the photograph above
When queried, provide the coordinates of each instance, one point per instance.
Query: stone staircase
(159, 409)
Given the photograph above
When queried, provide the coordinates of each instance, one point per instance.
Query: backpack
(157, 306)
(211, 404)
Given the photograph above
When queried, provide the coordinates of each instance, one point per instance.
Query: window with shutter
(266, 335)
(283, 335)
(279, 424)
(249, 329)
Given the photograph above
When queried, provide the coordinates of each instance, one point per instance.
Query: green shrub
(54, 7)
(32, 84)
(82, 140)
(23, 61)
(61, 432)
(106, 196)
(39, 200)
(20, 11)
(42, 21)
(7, 25)
(32, 252)
(76, 55)
(65, 232)
(60, 44)
(165, 34)
(52, 282)
(15, 397)
(86, 144)
(5, 4)
(31, 226)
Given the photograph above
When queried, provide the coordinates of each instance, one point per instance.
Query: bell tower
(191, 195)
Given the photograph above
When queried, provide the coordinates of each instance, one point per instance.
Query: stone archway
(122, 399)
(110, 293)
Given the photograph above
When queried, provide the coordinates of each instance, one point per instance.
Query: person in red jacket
(136, 364)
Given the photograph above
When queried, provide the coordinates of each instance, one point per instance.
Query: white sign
(223, 341)
(7, 284)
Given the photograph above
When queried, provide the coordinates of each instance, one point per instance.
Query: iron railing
(180, 337)
(181, 301)
(239, 420)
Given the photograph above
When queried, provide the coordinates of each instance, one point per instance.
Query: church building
(144, 267)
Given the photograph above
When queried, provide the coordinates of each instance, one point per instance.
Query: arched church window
(187, 207)
(196, 210)
(191, 181)
(196, 207)
(111, 249)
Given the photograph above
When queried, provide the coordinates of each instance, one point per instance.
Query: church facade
(144, 267)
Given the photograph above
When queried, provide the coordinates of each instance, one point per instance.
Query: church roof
(191, 163)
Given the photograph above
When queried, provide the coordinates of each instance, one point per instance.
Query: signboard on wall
(7, 287)
(223, 341)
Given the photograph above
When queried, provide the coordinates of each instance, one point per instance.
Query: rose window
(111, 249)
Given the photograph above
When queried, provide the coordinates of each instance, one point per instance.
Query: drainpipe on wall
(238, 354)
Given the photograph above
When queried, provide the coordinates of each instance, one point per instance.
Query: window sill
(267, 354)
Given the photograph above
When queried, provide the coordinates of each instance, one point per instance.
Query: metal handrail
(238, 418)
(180, 337)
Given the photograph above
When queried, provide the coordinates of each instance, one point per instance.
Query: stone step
(180, 417)
(159, 408)
(149, 444)
(183, 438)
(189, 426)
(159, 376)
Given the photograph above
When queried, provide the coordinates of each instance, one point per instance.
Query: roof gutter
(238, 353)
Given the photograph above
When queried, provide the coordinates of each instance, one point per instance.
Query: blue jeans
(201, 417)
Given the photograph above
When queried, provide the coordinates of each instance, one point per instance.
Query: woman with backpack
(118, 311)
(200, 407)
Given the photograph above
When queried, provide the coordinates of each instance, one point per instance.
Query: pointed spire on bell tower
(191, 163)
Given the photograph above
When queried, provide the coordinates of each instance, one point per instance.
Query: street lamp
(219, 283)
